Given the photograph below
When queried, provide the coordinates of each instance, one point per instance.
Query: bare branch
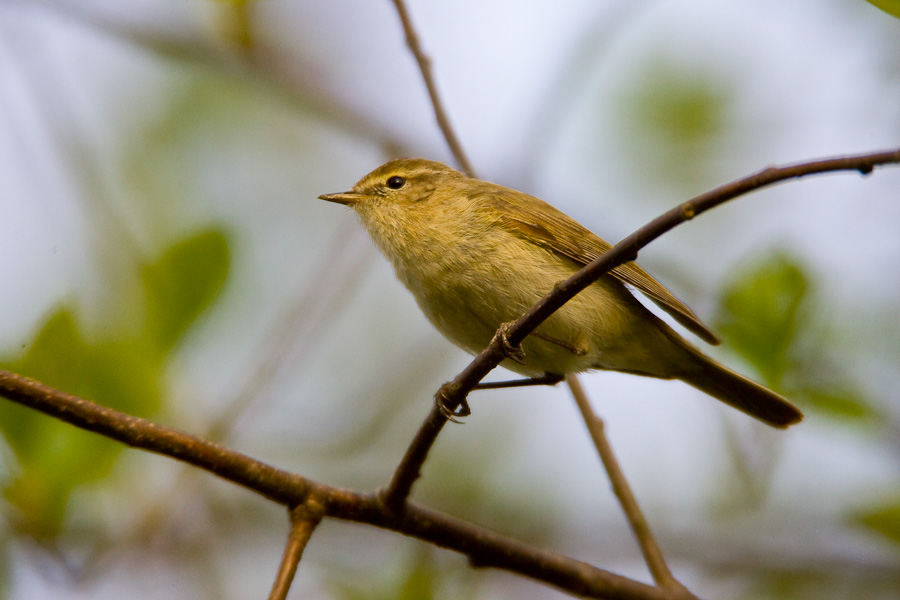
(304, 520)
(278, 485)
(412, 40)
(410, 467)
(649, 548)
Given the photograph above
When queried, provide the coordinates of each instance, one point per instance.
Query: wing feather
(546, 226)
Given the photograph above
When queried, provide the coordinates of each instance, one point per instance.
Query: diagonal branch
(653, 556)
(455, 391)
(304, 520)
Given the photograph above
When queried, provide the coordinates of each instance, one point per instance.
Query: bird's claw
(442, 398)
(442, 401)
(501, 336)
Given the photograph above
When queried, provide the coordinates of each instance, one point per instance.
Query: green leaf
(183, 282)
(419, 579)
(5, 564)
(891, 7)
(674, 120)
(764, 316)
(55, 458)
(840, 400)
(121, 371)
(760, 312)
(883, 519)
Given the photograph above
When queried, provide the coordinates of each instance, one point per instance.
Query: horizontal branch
(275, 484)
(485, 548)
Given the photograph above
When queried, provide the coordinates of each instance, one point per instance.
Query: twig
(412, 40)
(649, 548)
(304, 520)
(409, 469)
(484, 547)
(275, 484)
(456, 390)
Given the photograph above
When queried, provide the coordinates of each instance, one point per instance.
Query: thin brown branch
(653, 556)
(628, 248)
(304, 520)
(409, 469)
(412, 40)
(275, 484)
(484, 547)
(455, 391)
(410, 466)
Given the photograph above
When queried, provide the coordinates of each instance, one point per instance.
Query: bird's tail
(739, 392)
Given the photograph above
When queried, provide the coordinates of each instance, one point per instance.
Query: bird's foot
(442, 402)
(502, 337)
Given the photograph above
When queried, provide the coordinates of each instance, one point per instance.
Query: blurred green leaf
(183, 282)
(839, 401)
(883, 519)
(764, 315)
(122, 371)
(419, 580)
(55, 458)
(673, 119)
(236, 22)
(760, 312)
(5, 563)
(891, 7)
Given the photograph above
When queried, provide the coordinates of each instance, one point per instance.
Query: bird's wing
(546, 226)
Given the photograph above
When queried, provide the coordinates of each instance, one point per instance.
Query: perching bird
(476, 255)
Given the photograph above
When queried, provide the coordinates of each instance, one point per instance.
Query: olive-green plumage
(475, 255)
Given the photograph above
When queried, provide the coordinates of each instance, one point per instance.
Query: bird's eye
(396, 182)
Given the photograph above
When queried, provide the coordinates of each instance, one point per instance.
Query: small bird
(476, 255)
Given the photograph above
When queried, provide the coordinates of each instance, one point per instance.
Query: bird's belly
(594, 330)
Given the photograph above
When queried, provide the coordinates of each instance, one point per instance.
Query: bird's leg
(463, 410)
(442, 402)
(502, 336)
(545, 379)
(518, 355)
(514, 353)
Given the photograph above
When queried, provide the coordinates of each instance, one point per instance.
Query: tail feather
(739, 392)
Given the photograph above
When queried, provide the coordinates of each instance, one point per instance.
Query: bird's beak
(348, 198)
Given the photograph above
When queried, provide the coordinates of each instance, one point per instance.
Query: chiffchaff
(476, 255)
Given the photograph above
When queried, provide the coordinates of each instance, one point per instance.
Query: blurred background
(164, 254)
